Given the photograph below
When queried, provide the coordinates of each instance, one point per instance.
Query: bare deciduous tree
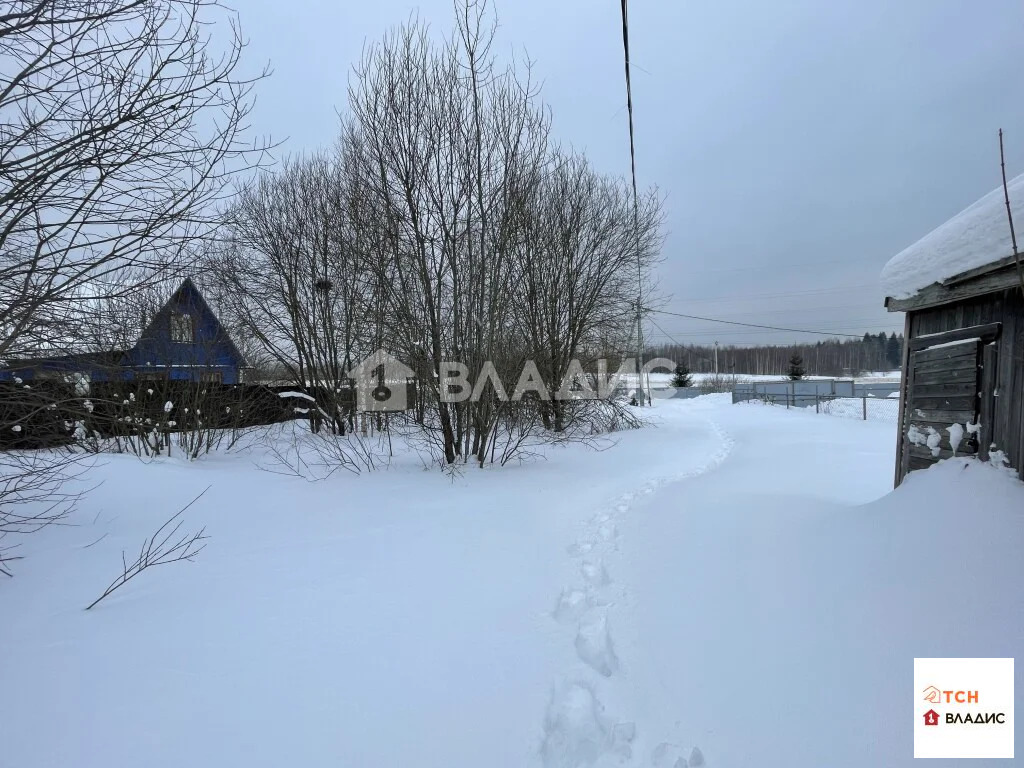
(120, 126)
(446, 227)
(290, 275)
(35, 492)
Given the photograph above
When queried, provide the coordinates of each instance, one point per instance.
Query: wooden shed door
(943, 398)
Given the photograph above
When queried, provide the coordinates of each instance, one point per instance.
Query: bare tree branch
(162, 548)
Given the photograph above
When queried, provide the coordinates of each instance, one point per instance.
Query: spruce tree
(796, 368)
(893, 352)
(681, 376)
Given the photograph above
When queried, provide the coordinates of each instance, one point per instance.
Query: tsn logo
(954, 720)
(934, 696)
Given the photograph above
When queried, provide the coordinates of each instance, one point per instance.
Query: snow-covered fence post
(864, 403)
(817, 402)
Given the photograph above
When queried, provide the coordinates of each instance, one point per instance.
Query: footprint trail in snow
(577, 730)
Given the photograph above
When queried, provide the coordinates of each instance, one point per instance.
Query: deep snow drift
(734, 587)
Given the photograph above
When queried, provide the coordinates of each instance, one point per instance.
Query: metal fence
(867, 408)
(687, 393)
(804, 388)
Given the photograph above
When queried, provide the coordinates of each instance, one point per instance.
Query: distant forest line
(830, 357)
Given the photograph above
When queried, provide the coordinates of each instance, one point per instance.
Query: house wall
(1006, 391)
(61, 369)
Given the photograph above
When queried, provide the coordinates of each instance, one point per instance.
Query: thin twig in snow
(158, 550)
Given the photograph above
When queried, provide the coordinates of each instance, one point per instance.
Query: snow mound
(572, 604)
(667, 755)
(974, 237)
(594, 645)
(578, 733)
(594, 573)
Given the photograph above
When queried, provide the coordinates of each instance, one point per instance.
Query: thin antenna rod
(1009, 213)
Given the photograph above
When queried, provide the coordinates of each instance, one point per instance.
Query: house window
(211, 377)
(181, 327)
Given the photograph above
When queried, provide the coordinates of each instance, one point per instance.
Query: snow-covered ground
(736, 586)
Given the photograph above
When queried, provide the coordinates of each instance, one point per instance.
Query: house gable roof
(189, 287)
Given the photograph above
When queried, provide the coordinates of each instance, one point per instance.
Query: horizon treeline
(827, 357)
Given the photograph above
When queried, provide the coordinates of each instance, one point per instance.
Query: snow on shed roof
(976, 236)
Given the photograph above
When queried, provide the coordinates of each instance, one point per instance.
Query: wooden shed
(963, 363)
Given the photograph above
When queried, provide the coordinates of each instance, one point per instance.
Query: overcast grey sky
(799, 143)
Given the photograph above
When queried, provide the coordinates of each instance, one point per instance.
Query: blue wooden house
(184, 341)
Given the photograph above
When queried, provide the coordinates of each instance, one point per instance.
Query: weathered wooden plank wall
(1002, 395)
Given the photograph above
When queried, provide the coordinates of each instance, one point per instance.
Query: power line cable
(680, 344)
(872, 330)
(851, 325)
(754, 325)
(770, 265)
(744, 297)
(629, 98)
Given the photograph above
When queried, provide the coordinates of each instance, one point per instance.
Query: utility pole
(639, 353)
(716, 358)
(641, 396)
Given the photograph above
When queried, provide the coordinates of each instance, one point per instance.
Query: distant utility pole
(716, 358)
(636, 218)
(639, 352)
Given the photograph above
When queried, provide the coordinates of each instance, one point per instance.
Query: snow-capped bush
(80, 382)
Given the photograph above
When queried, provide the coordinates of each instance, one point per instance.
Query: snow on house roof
(976, 236)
